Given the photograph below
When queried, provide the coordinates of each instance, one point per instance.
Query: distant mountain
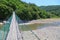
(50, 8)
(53, 9)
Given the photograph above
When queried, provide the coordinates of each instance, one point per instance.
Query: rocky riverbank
(40, 21)
(47, 33)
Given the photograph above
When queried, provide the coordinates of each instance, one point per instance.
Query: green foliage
(53, 10)
(4, 11)
(23, 10)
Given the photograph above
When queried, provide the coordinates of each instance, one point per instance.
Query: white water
(14, 32)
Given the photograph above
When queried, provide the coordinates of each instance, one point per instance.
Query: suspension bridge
(13, 32)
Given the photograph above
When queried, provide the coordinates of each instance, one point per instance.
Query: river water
(36, 26)
(53, 24)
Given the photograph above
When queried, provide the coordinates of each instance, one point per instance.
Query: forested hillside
(54, 9)
(23, 10)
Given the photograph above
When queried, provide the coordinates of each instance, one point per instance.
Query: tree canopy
(54, 10)
(24, 10)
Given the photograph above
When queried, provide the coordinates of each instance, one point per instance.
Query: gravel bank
(47, 33)
(44, 20)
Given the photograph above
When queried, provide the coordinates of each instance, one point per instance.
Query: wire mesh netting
(6, 28)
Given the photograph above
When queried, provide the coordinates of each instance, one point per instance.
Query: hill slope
(54, 9)
(23, 10)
